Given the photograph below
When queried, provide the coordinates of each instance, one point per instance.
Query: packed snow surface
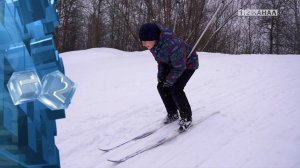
(258, 126)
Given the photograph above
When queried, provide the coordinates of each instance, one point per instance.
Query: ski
(149, 147)
(161, 141)
(141, 136)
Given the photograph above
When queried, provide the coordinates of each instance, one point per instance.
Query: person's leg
(167, 99)
(179, 96)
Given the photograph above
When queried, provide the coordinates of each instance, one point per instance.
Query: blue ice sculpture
(27, 130)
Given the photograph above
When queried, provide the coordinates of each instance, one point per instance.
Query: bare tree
(69, 34)
(295, 7)
(95, 25)
(115, 24)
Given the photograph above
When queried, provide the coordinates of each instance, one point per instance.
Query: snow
(258, 97)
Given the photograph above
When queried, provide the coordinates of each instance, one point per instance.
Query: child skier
(174, 70)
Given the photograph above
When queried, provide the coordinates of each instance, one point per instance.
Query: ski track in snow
(116, 99)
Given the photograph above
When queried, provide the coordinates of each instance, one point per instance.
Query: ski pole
(209, 23)
(176, 14)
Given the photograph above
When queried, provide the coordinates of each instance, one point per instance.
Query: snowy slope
(116, 98)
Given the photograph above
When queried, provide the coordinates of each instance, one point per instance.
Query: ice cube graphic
(24, 86)
(57, 91)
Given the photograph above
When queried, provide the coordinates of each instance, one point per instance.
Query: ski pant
(174, 97)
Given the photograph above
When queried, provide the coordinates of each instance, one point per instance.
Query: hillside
(258, 97)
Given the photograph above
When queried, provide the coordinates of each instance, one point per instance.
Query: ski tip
(104, 150)
(115, 161)
(216, 112)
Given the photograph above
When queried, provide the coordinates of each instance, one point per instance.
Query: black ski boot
(170, 118)
(184, 124)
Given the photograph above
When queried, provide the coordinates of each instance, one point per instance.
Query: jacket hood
(165, 35)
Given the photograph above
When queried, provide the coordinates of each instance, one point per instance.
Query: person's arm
(163, 70)
(178, 61)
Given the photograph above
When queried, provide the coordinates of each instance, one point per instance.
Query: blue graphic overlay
(28, 61)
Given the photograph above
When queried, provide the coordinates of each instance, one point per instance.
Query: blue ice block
(26, 43)
(57, 91)
(24, 86)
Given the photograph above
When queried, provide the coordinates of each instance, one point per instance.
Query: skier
(174, 70)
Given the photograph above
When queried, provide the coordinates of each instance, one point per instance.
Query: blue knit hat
(149, 32)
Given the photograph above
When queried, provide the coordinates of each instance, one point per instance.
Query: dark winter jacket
(171, 55)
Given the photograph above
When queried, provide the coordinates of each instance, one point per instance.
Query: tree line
(115, 24)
